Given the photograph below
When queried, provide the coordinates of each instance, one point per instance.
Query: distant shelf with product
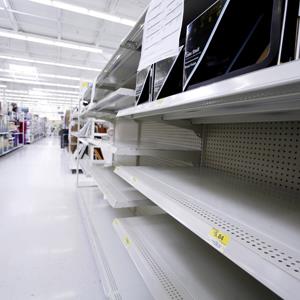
(11, 128)
(36, 128)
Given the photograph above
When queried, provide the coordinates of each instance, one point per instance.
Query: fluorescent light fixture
(47, 41)
(39, 94)
(65, 96)
(42, 62)
(38, 101)
(27, 70)
(56, 91)
(16, 76)
(54, 76)
(59, 77)
(88, 12)
(16, 91)
(39, 83)
(40, 97)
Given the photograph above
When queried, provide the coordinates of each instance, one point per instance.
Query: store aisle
(44, 252)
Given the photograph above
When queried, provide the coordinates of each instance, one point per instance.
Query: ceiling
(64, 42)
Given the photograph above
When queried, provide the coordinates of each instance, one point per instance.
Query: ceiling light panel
(40, 97)
(33, 78)
(31, 82)
(28, 70)
(43, 62)
(88, 12)
(39, 94)
(48, 41)
(54, 76)
(56, 91)
(39, 100)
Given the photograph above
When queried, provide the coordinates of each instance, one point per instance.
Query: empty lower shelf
(116, 191)
(257, 229)
(72, 162)
(11, 150)
(85, 164)
(119, 276)
(176, 264)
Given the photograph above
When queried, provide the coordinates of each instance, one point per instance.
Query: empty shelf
(113, 102)
(147, 149)
(85, 163)
(119, 276)
(258, 229)
(176, 264)
(116, 191)
(11, 150)
(72, 162)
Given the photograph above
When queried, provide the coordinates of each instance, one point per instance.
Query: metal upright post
(77, 163)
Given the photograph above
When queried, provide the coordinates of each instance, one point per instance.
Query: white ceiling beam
(11, 16)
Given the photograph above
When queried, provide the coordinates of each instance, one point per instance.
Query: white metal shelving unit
(176, 264)
(262, 230)
(118, 274)
(237, 196)
(117, 192)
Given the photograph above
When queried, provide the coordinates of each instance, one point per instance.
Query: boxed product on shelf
(254, 39)
(164, 79)
(144, 85)
(198, 33)
(161, 71)
(169, 81)
(99, 128)
(98, 154)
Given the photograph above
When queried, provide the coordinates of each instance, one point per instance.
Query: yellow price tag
(221, 237)
(127, 241)
(134, 179)
(160, 101)
(116, 222)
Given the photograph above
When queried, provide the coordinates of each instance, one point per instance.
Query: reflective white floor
(44, 251)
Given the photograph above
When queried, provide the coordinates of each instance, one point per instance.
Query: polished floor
(44, 251)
